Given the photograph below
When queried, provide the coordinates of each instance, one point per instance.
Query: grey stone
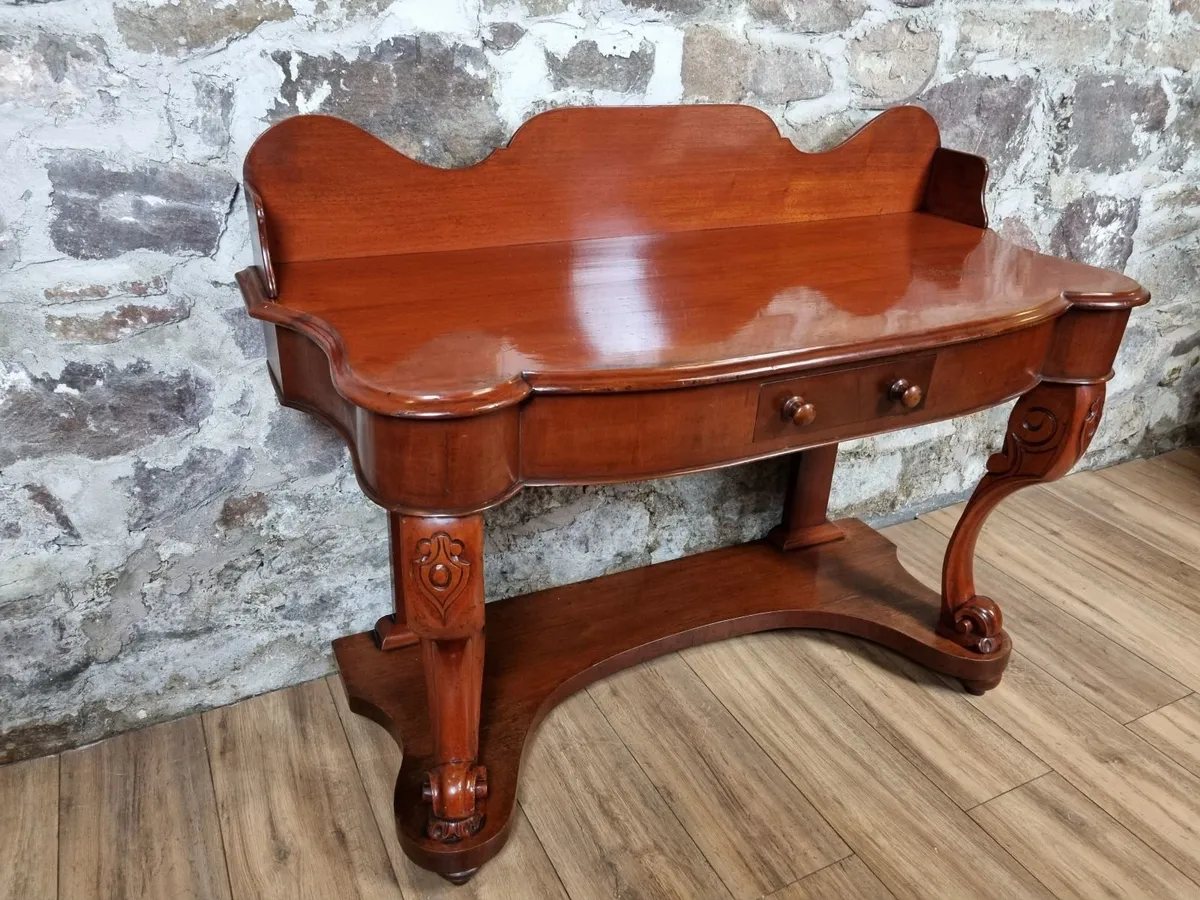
(158, 494)
(303, 446)
(716, 65)
(247, 332)
(1111, 121)
(430, 99)
(783, 74)
(53, 71)
(238, 512)
(10, 251)
(984, 115)
(43, 497)
(706, 9)
(503, 36)
(125, 320)
(722, 67)
(180, 27)
(1181, 140)
(1043, 37)
(1191, 7)
(96, 411)
(102, 209)
(535, 8)
(69, 292)
(893, 61)
(808, 16)
(587, 68)
(1097, 230)
(214, 100)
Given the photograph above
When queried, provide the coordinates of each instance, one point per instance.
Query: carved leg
(392, 631)
(1048, 431)
(440, 564)
(804, 509)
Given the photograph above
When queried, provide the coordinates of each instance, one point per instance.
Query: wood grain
(1174, 487)
(752, 824)
(606, 829)
(523, 869)
(1135, 515)
(885, 809)
(1099, 669)
(1075, 848)
(847, 879)
(295, 818)
(1104, 544)
(153, 792)
(1156, 628)
(1175, 730)
(1139, 786)
(29, 830)
(932, 726)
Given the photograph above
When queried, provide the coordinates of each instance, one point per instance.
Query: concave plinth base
(543, 646)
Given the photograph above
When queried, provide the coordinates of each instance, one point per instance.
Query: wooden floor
(792, 765)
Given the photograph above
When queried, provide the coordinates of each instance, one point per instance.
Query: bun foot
(979, 688)
(460, 878)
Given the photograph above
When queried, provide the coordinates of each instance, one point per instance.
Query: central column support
(805, 508)
(438, 562)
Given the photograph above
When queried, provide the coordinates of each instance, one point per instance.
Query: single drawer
(814, 403)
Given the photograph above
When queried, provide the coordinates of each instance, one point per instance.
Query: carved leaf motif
(441, 570)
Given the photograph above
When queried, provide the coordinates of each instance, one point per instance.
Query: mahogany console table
(630, 293)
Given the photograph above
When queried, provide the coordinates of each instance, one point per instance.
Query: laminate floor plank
(1144, 519)
(604, 826)
(29, 830)
(755, 828)
(1075, 848)
(847, 879)
(1142, 788)
(932, 725)
(1173, 486)
(1107, 547)
(891, 815)
(1098, 668)
(294, 815)
(521, 870)
(1158, 630)
(1175, 730)
(1188, 457)
(138, 820)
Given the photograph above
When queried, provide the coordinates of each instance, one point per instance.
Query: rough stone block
(186, 25)
(1097, 230)
(893, 61)
(984, 115)
(1111, 121)
(587, 68)
(430, 99)
(95, 411)
(103, 209)
(807, 16)
(723, 67)
(125, 320)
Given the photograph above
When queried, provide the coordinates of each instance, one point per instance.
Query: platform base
(542, 647)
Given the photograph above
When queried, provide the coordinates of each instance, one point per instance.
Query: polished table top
(414, 332)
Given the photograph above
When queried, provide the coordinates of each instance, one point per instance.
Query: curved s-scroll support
(1048, 431)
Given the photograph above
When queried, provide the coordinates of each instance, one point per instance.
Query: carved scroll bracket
(1049, 430)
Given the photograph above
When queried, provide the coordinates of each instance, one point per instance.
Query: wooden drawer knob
(905, 392)
(799, 411)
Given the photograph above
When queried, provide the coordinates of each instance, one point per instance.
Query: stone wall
(170, 539)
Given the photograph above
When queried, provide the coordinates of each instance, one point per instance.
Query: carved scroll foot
(439, 562)
(1048, 431)
(450, 789)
